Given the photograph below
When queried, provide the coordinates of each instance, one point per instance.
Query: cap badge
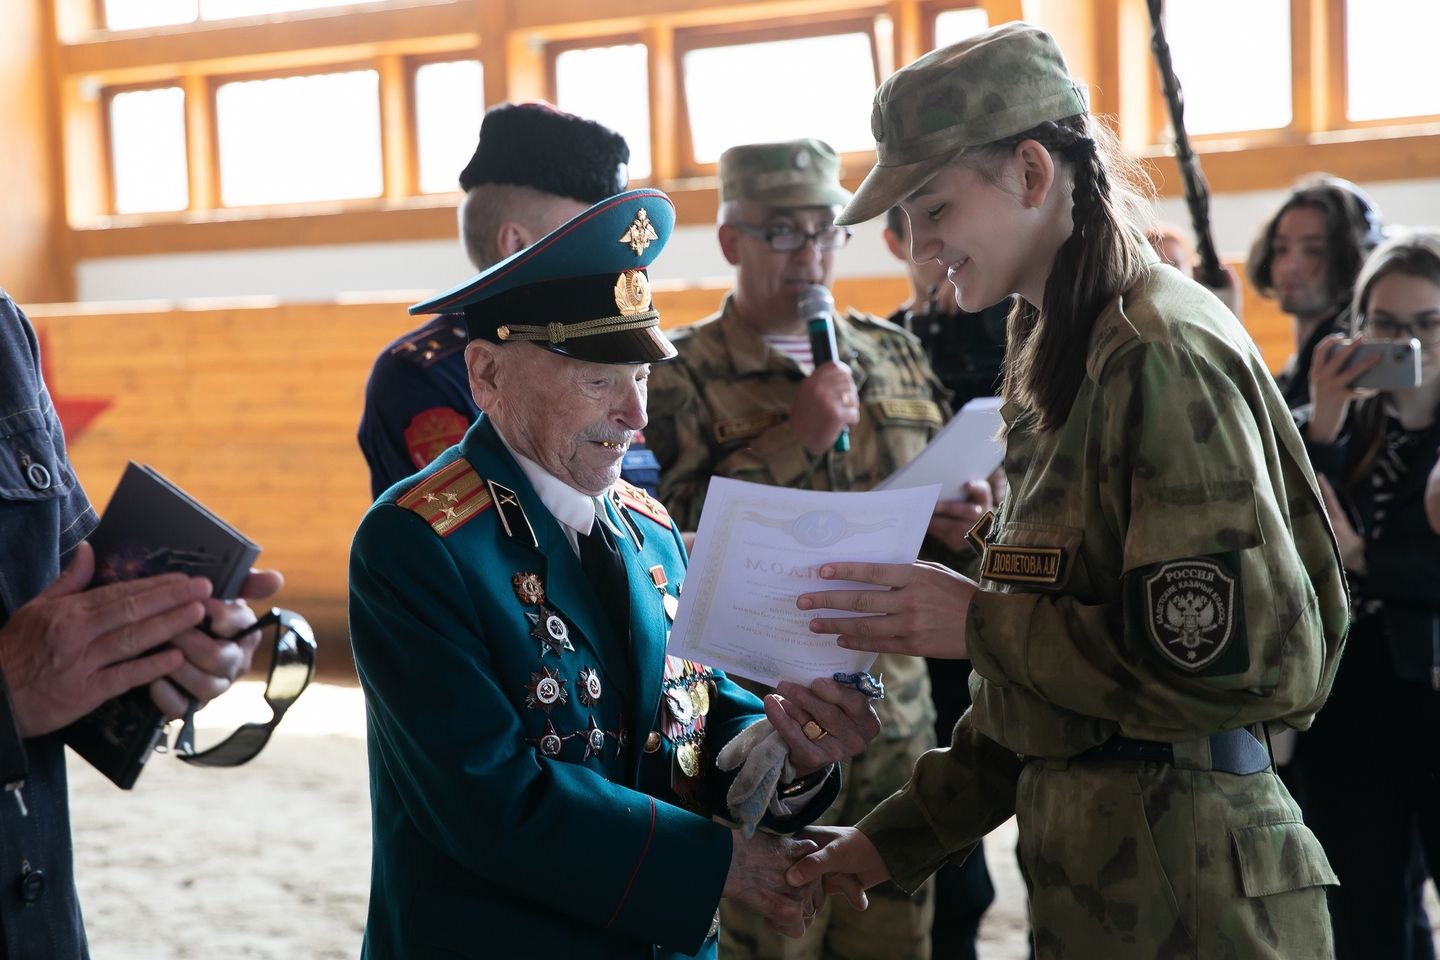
(632, 291)
(640, 232)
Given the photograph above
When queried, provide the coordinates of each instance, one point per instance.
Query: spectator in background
(966, 351)
(534, 168)
(745, 399)
(1175, 250)
(1306, 256)
(1376, 746)
(65, 650)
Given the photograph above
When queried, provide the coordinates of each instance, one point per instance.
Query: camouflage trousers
(894, 926)
(1150, 860)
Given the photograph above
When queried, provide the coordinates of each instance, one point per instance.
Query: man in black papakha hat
(534, 168)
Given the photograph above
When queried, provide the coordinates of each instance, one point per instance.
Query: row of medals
(687, 688)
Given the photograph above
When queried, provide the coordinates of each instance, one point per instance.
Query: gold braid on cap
(560, 332)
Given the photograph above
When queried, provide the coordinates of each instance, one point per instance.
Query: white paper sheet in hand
(966, 448)
(759, 547)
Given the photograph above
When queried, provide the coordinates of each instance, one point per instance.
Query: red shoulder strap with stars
(449, 498)
(640, 501)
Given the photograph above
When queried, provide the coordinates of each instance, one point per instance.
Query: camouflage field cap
(796, 173)
(993, 85)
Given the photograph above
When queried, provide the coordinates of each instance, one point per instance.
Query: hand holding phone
(1396, 364)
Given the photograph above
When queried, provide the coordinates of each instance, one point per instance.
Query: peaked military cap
(793, 173)
(542, 147)
(581, 290)
(987, 87)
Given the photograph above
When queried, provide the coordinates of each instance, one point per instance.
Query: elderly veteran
(746, 400)
(543, 776)
(1160, 587)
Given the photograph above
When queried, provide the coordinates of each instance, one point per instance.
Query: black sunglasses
(292, 665)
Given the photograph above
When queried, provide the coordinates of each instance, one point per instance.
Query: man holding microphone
(752, 396)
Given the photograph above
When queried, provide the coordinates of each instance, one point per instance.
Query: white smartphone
(1398, 369)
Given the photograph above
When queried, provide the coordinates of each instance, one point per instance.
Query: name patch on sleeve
(1011, 564)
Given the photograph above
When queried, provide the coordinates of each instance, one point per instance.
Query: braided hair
(1103, 256)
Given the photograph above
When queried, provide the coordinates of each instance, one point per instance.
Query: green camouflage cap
(796, 173)
(993, 85)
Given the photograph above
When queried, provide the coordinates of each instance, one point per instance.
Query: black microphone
(816, 306)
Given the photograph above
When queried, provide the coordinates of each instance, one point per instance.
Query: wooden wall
(253, 407)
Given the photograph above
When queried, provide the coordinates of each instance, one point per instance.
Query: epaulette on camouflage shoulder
(1113, 331)
(641, 502)
(438, 339)
(863, 319)
(449, 498)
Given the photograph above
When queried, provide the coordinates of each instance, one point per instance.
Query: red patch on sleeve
(431, 432)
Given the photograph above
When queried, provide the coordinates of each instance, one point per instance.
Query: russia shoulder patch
(449, 498)
(1192, 612)
(640, 501)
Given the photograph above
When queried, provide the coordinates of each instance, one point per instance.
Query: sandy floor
(271, 860)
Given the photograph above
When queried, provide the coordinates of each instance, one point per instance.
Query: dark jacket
(43, 516)
(1402, 560)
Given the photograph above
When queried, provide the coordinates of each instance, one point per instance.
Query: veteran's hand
(845, 720)
(922, 614)
(70, 649)
(826, 403)
(847, 862)
(954, 518)
(1330, 390)
(757, 881)
(211, 665)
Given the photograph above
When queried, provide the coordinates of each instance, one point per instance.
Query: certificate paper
(967, 448)
(760, 547)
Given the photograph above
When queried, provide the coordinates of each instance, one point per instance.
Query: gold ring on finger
(814, 732)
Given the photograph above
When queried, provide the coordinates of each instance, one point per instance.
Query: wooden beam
(397, 127)
(343, 33)
(665, 94)
(202, 145)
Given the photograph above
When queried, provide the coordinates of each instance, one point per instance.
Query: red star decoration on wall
(75, 413)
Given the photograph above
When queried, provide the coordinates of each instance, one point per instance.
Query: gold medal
(700, 696)
(677, 701)
(687, 756)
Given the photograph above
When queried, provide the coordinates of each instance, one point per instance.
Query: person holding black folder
(64, 650)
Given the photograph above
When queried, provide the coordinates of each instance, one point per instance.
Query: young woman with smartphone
(1370, 766)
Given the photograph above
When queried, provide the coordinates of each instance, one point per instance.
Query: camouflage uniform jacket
(720, 409)
(1161, 569)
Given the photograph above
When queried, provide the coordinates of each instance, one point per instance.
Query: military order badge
(545, 690)
(552, 632)
(1191, 611)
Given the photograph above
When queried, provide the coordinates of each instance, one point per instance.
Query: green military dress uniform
(719, 409)
(1151, 586)
(542, 774)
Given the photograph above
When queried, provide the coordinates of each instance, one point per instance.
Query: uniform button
(32, 885)
(652, 742)
(39, 476)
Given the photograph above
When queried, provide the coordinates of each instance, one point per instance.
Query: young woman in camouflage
(1160, 586)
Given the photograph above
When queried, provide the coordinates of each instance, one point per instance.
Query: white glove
(764, 761)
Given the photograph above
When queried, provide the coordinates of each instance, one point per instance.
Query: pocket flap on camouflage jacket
(1278, 857)
(1191, 519)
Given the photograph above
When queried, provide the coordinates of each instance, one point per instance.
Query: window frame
(790, 28)
(555, 48)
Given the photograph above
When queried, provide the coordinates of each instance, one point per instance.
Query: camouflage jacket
(1162, 569)
(720, 409)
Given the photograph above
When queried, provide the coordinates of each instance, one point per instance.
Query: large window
(1233, 61)
(611, 86)
(449, 105)
(1389, 46)
(952, 26)
(287, 139)
(147, 151)
(818, 86)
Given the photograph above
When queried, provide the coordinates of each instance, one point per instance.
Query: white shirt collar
(575, 510)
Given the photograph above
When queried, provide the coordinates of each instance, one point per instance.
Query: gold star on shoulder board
(640, 233)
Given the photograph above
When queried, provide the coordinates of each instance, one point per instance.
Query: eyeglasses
(788, 239)
(292, 665)
(1424, 329)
